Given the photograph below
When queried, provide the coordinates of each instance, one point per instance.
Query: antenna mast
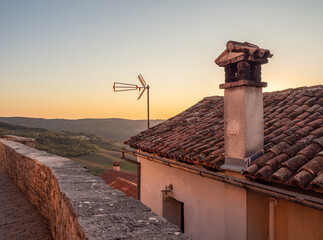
(121, 87)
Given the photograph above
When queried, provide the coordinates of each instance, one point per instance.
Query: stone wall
(30, 142)
(77, 204)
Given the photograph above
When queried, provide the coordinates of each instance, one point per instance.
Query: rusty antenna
(122, 87)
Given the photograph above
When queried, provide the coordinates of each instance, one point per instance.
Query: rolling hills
(110, 128)
(95, 152)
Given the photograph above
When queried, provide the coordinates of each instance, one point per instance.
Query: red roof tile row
(111, 175)
(129, 188)
(293, 142)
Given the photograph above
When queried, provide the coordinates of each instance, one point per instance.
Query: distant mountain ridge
(111, 128)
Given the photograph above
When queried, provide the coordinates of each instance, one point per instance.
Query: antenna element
(122, 87)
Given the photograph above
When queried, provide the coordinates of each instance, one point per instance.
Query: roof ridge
(298, 89)
(278, 92)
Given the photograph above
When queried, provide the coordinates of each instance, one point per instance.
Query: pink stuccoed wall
(212, 209)
(217, 210)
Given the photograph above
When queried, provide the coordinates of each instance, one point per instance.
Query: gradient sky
(59, 59)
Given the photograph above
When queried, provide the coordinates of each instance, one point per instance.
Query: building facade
(244, 166)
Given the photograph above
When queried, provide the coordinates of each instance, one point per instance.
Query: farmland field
(96, 153)
(100, 161)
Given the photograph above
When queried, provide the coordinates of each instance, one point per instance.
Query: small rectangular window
(173, 211)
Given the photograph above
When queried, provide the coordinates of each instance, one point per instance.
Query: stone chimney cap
(237, 52)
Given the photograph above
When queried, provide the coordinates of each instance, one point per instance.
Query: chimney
(243, 103)
(116, 166)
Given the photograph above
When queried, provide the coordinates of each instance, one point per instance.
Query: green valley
(96, 153)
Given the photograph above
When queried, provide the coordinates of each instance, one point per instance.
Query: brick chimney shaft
(243, 103)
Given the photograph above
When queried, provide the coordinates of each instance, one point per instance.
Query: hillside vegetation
(65, 143)
(96, 153)
(110, 128)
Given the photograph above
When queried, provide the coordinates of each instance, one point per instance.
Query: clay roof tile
(305, 131)
(295, 162)
(319, 141)
(294, 149)
(302, 100)
(263, 159)
(311, 101)
(278, 138)
(301, 179)
(318, 132)
(320, 101)
(304, 115)
(302, 122)
(317, 184)
(316, 123)
(313, 108)
(281, 175)
(279, 148)
(293, 137)
(265, 172)
(291, 108)
(251, 170)
(276, 161)
(311, 150)
(218, 162)
(313, 166)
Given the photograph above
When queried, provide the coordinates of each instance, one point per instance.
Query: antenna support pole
(148, 103)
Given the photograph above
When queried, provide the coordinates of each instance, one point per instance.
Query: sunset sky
(59, 59)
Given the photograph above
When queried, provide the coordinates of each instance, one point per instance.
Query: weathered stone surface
(30, 142)
(139, 225)
(77, 204)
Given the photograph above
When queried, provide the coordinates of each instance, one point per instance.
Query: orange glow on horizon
(57, 62)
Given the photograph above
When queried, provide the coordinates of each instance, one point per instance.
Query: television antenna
(122, 87)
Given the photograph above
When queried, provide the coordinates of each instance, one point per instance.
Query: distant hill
(61, 143)
(95, 152)
(111, 128)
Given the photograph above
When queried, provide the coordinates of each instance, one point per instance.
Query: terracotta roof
(111, 175)
(129, 188)
(293, 142)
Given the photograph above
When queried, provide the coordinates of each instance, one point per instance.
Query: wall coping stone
(96, 211)
(30, 142)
